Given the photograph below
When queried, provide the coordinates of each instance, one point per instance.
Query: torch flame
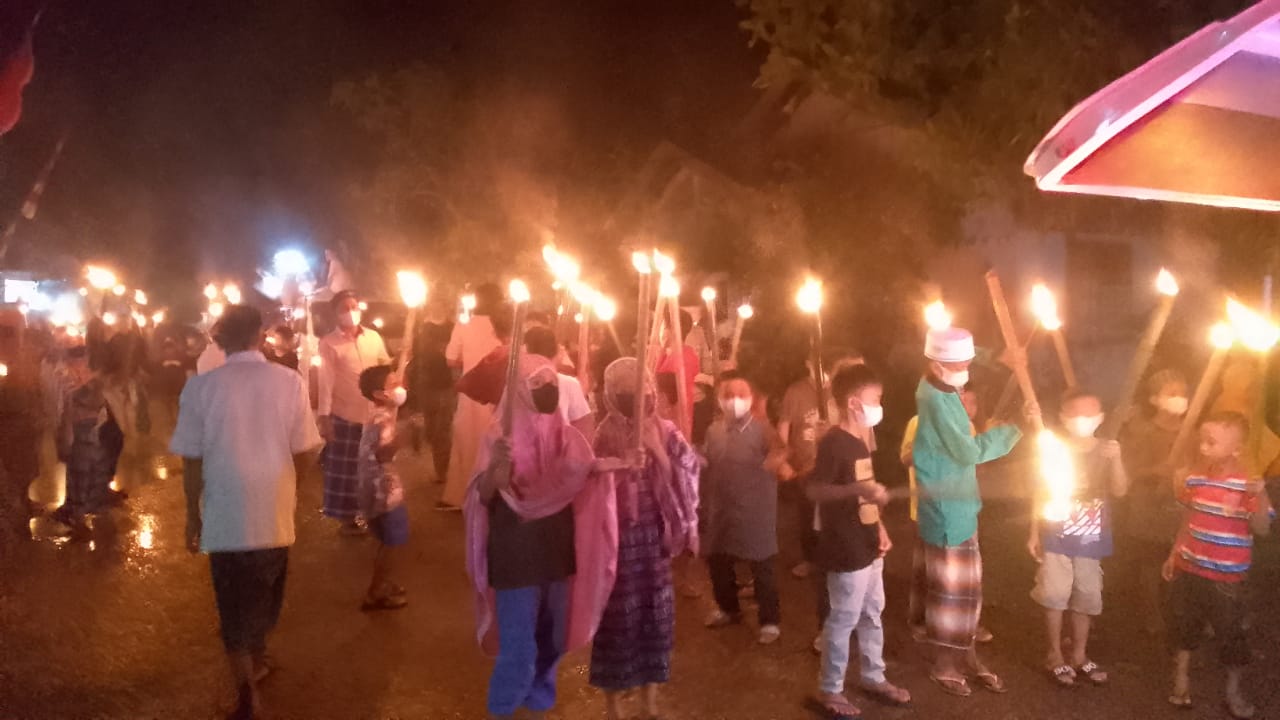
(216, 309)
(468, 302)
(936, 316)
(745, 311)
(119, 290)
(139, 297)
(231, 292)
(640, 262)
(518, 291)
(1166, 283)
(157, 318)
(664, 264)
(708, 294)
(669, 287)
(211, 291)
(1252, 329)
(564, 268)
(109, 318)
(1222, 336)
(413, 288)
(100, 278)
(606, 309)
(1056, 467)
(809, 296)
(1045, 307)
(583, 293)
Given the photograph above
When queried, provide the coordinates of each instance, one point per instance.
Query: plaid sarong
(953, 602)
(341, 470)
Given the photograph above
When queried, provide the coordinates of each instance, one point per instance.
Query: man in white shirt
(244, 431)
(344, 354)
(574, 407)
(213, 356)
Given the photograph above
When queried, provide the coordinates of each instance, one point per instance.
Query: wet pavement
(123, 626)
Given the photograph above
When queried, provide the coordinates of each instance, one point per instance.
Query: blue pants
(532, 630)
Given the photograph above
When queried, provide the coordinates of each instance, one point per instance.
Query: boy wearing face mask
(380, 489)
(743, 453)
(1070, 552)
(852, 543)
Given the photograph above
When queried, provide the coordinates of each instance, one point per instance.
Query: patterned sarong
(953, 603)
(341, 470)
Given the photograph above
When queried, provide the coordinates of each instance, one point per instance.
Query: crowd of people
(583, 499)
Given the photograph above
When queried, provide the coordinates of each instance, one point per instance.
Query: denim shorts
(392, 527)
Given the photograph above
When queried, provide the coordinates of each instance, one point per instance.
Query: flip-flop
(991, 682)
(1182, 702)
(886, 693)
(1245, 712)
(1094, 673)
(835, 710)
(1063, 676)
(952, 686)
(387, 602)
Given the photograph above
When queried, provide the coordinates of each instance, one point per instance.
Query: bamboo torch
(709, 297)
(809, 299)
(1167, 286)
(413, 291)
(1011, 341)
(586, 299)
(745, 313)
(670, 289)
(645, 270)
(519, 293)
(606, 310)
(1045, 308)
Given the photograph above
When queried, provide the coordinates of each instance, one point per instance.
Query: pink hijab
(552, 470)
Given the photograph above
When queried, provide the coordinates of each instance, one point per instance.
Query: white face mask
(736, 408)
(1083, 426)
(956, 379)
(399, 396)
(872, 415)
(1176, 405)
(349, 319)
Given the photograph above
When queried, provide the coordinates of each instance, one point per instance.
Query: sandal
(1182, 702)
(386, 602)
(1094, 673)
(836, 707)
(952, 685)
(888, 694)
(991, 682)
(1241, 709)
(1064, 676)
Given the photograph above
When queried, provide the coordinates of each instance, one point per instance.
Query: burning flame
(109, 318)
(564, 268)
(211, 291)
(583, 293)
(746, 312)
(379, 323)
(606, 309)
(640, 262)
(936, 315)
(231, 292)
(669, 287)
(1221, 336)
(157, 317)
(708, 294)
(139, 297)
(809, 296)
(216, 309)
(1166, 283)
(1045, 307)
(119, 290)
(1056, 467)
(664, 264)
(413, 288)
(1252, 329)
(468, 302)
(518, 291)
(100, 278)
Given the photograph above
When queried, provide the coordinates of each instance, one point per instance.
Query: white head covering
(949, 345)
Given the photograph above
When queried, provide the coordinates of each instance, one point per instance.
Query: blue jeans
(532, 631)
(857, 600)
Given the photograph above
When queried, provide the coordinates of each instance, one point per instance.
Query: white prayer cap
(949, 345)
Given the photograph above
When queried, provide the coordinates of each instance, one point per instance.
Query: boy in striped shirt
(1223, 509)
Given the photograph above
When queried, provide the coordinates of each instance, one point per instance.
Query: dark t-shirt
(845, 542)
(526, 553)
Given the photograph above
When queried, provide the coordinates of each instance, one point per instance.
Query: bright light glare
(413, 288)
(809, 296)
(664, 264)
(157, 317)
(315, 361)
(468, 302)
(1166, 283)
(119, 290)
(606, 309)
(211, 291)
(99, 277)
(669, 287)
(139, 297)
(4, 370)
(708, 294)
(518, 291)
(109, 318)
(1252, 329)
(1221, 336)
(746, 312)
(41, 302)
(378, 323)
(1045, 307)
(216, 309)
(936, 315)
(1059, 477)
(66, 311)
(583, 293)
(272, 286)
(640, 262)
(290, 263)
(231, 292)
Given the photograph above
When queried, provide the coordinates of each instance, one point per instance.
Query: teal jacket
(946, 456)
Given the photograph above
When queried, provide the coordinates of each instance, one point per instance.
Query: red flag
(16, 70)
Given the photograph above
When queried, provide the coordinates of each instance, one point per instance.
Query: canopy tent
(1199, 123)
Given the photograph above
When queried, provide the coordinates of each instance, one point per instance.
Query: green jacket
(946, 457)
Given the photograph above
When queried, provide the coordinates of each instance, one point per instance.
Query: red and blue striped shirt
(1216, 541)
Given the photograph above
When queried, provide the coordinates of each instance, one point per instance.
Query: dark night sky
(189, 122)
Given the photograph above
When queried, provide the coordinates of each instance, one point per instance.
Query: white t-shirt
(573, 401)
(211, 359)
(245, 421)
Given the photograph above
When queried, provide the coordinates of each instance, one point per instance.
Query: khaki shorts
(1069, 583)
